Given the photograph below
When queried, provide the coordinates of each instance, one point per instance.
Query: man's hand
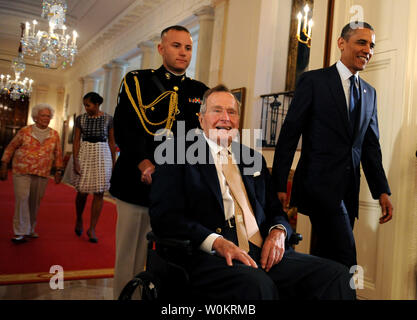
(282, 196)
(386, 207)
(147, 168)
(230, 251)
(273, 249)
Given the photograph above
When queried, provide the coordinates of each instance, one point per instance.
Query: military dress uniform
(148, 100)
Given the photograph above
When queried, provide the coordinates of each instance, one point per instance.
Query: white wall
(283, 19)
(242, 52)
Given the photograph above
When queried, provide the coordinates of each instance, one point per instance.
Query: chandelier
(305, 36)
(53, 45)
(55, 10)
(16, 88)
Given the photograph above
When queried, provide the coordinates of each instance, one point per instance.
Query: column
(59, 115)
(106, 87)
(221, 9)
(205, 17)
(156, 60)
(89, 84)
(39, 95)
(117, 73)
(146, 47)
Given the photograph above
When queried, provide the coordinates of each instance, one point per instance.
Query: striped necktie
(244, 217)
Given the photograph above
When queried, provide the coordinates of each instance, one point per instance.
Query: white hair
(39, 107)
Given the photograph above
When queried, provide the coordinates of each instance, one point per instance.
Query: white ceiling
(92, 19)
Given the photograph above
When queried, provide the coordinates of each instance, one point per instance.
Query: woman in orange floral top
(34, 149)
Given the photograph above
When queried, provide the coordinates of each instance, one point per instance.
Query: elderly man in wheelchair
(219, 231)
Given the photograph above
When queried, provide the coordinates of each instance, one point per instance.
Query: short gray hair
(218, 88)
(39, 107)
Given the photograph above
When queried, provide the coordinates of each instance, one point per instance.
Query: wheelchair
(164, 279)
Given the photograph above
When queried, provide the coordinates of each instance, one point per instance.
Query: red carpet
(57, 243)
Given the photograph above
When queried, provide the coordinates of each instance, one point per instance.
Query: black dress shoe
(19, 239)
(79, 227)
(91, 238)
(78, 232)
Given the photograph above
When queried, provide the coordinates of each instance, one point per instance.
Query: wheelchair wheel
(145, 283)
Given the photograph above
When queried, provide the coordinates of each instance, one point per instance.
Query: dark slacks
(334, 238)
(333, 231)
(296, 276)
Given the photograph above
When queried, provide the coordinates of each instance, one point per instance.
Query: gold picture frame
(240, 94)
(298, 53)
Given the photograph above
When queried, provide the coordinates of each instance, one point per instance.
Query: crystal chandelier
(16, 88)
(54, 10)
(18, 64)
(54, 45)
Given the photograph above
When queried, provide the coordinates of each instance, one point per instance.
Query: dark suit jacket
(134, 142)
(331, 150)
(186, 200)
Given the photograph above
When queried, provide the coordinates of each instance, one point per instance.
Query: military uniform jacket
(135, 143)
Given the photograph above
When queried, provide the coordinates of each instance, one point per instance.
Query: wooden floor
(92, 289)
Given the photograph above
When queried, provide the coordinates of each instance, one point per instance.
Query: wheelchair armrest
(170, 243)
(295, 238)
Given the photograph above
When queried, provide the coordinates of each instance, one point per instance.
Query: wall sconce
(71, 131)
(71, 123)
(305, 36)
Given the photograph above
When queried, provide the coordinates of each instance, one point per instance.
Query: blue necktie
(354, 101)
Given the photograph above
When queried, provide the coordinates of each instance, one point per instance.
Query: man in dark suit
(335, 112)
(225, 206)
(149, 100)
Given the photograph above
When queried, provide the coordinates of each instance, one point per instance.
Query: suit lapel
(209, 173)
(336, 88)
(364, 115)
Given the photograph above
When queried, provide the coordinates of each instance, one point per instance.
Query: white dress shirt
(228, 204)
(345, 75)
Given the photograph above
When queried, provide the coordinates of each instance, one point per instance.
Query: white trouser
(133, 223)
(28, 192)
